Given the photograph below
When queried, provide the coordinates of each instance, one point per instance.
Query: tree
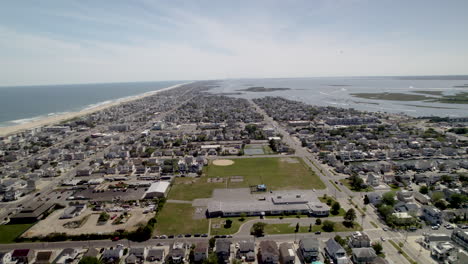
(350, 215)
(211, 259)
(228, 223)
(310, 228)
(243, 216)
(318, 221)
(258, 229)
(378, 248)
(385, 210)
(456, 200)
(424, 189)
(297, 228)
(89, 260)
(212, 242)
(328, 226)
(356, 182)
(340, 240)
(335, 208)
(436, 196)
(388, 198)
(366, 199)
(440, 204)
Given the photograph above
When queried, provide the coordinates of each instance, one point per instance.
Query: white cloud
(207, 48)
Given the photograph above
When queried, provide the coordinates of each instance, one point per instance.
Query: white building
(158, 189)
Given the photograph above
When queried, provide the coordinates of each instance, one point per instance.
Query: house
(309, 249)
(431, 215)
(156, 254)
(5, 257)
(374, 198)
(336, 252)
(374, 179)
(287, 255)
(223, 250)
(359, 240)
(136, 255)
(43, 257)
(246, 251)
(200, 252)
(460, 237)
(112, 255)
(405, 196)
(92, 252)
(67, 255)
(444, 252)
(268, 252)
(176, 253)
(402, 218)
(22, 256)
(363, 255)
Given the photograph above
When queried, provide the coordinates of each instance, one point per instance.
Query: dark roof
(284, 248)
(201, 246)
(246, 246)
(43, 256)
(223, 245)
(20, 253)
(310, 244)
(364, 253)
(269, 246)
(333, 247)
(156, 252)
(92, 252)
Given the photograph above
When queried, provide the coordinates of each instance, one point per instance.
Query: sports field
(282, 173)
(175, 219)
(8, 233)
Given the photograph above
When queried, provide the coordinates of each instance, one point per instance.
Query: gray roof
(246, 246)
(223, 245)
(333, 247)
(310, 244)
(364, 253)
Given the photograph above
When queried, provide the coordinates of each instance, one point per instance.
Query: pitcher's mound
(223, 162)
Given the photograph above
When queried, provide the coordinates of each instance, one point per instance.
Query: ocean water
(336, 91)
(24, 104)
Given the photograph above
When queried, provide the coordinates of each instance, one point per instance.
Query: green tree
(243, 216)
(340, 240)
(318, 221)
(228, 223)
(388, 198)
(350, 215)
(424, 189)
(310, 228)
(297, 228)
(328, 226)
(385, 210)
(335, 208)
(212, 242)
(89, 260)
(258, 229)
(366, 199)
(211, 259)
(456, 200)
(436, 196)
(378, 248)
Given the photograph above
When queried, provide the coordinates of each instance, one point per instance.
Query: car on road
(382, 238)
(385, 229)
(204, 235)
(115, 239)
(318, 233)
(188, 235)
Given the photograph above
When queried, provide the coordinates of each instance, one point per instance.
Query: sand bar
(60, 118)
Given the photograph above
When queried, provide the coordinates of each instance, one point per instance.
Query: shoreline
(8, 130)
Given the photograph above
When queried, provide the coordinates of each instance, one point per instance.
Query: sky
(62, 42)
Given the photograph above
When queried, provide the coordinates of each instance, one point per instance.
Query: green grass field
(177, 219)
(8, 233)
(274, 229)
(284, 173)
(222, 230)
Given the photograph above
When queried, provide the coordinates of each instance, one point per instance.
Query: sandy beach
(4, 131)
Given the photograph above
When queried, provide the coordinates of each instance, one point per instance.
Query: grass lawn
(267, 150)
(177, 219)
(284, 173)
(341, 212)
(273, 229)
(236, 223)
(8, 233)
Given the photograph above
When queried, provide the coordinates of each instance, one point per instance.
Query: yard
(274, 229)
(284, 173)
(10, 232)
(222, 230)
(175, 219)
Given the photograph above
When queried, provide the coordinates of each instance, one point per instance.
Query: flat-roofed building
(157, 190)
